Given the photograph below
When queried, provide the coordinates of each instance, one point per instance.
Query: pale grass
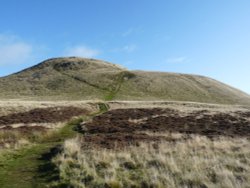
(14, 139)
(15, 106)
(196, 162)
(137, 121)
(57, 125)
(185, 107)
(10, 147)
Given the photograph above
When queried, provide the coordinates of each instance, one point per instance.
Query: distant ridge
(74, 78)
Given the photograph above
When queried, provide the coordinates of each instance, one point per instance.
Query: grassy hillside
(82, 79)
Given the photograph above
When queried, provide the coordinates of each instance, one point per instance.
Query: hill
(75, 78)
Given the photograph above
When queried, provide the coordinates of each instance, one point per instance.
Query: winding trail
(31, 167)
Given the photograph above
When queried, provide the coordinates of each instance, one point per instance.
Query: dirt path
(31, 167)
(26, 167)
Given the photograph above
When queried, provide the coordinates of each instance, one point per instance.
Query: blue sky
(205, 37)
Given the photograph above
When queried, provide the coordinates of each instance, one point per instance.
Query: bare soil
(122, 127)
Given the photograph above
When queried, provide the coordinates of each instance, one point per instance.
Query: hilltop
(76, 78)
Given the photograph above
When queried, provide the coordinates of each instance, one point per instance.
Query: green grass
(103, 107)
(119, 79)
(31, 167)
(87, 79)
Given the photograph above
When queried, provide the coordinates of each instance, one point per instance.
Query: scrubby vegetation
(26, 151)
(22, 128)
(196, 162)
(15, 139)
(139, 147)
(26, 163)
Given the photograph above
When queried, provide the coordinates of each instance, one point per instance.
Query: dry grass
(12, 140)
(15, 139)
(88, 79)
(196, 162)
(184, 107)
(15, 106)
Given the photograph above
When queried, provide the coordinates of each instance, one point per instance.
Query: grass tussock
(12, 139)
(30, 166)
(196, 162)
(16, 139)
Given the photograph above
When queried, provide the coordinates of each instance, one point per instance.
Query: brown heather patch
(123, 127)
(43, 115)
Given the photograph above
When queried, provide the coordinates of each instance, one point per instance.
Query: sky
(204, 37)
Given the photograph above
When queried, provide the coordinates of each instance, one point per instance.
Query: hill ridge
(75, 78)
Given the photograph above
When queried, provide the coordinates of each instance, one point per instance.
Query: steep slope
(79, 78)
(61, 78)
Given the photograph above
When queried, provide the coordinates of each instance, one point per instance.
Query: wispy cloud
(177, 60)
(81, 51)
(129, 48)
(13, 50)
(132, 30)
(6, 39)
(161, 38)
(128, 32)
